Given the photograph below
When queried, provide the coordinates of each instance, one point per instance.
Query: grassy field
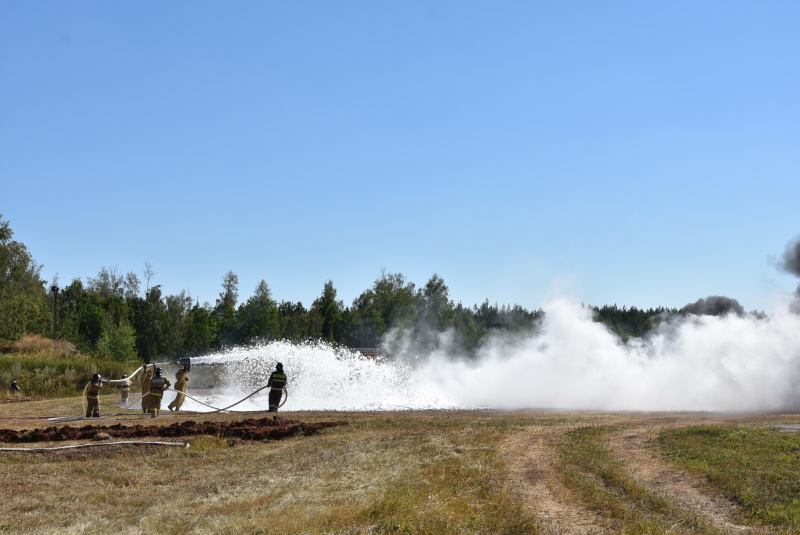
(433, 472)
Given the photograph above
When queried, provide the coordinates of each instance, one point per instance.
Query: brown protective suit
(93, 399)
(181, 382)
(157, 387)
(146, 376)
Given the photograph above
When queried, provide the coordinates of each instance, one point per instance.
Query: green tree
(434, 303)
(177, 323)
(149, 320)
(201, 330)
(389, 303)
(225, 310)
(90, 317)
(109, 282)
(469, 332)
(259, 317)
(131, 285)
(24, 303)
(329, 312)
(68, 328)
(294, 320)
(118, 342)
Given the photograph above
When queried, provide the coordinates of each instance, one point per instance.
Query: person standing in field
(277, 380)
(14, 389)
(181, 384)
(93, 397)
(124, 389)
(145, 382)
(157, 386)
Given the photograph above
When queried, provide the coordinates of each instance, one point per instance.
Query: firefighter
(124, 389)
(277, 380)
(93, 396)
(14, 389)
(146, 376)
(181, 383)
(157, 386)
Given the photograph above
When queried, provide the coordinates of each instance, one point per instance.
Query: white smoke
(712, 363)
(707, 363)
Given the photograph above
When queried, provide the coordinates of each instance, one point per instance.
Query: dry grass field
(433, 472)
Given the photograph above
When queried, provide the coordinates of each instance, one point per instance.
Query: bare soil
(248, 429)
(20, 399)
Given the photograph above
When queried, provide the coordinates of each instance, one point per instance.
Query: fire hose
(140, 368)
(183, 444)
(284, 396)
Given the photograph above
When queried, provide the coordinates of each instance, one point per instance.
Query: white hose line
(68, 418)
(285, 390)
(183, 444)
(131, 376)
(140, 368)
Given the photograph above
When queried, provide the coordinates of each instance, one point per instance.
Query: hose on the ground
(183, 444)
(285, 397)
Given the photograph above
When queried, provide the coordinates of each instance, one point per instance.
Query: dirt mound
(249, 429)
(20, 400)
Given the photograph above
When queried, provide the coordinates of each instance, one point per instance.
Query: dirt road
(535, 467)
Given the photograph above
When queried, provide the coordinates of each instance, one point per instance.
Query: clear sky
(637, 153)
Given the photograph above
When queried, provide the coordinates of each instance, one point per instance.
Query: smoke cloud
(712, 363)
(714, 305)
(790, 261)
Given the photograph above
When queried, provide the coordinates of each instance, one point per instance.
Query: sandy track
(635, 448)
(532, 459)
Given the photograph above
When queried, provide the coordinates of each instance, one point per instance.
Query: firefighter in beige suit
(93, 396)
(158, 384)
(146, 376)
(181, 383)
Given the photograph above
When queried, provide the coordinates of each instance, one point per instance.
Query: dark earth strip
(20, 400)
(249, 429)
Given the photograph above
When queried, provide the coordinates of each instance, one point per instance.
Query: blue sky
(638, 153)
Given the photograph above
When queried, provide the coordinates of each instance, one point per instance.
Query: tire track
(532, 458)
(633, 448)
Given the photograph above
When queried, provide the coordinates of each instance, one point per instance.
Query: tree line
(111, 315)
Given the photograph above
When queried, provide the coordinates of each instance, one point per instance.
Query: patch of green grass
(589, 468)
(50, 376)
(757, 468)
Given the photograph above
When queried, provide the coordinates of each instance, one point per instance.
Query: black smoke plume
(714, 305)
(790, 262)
